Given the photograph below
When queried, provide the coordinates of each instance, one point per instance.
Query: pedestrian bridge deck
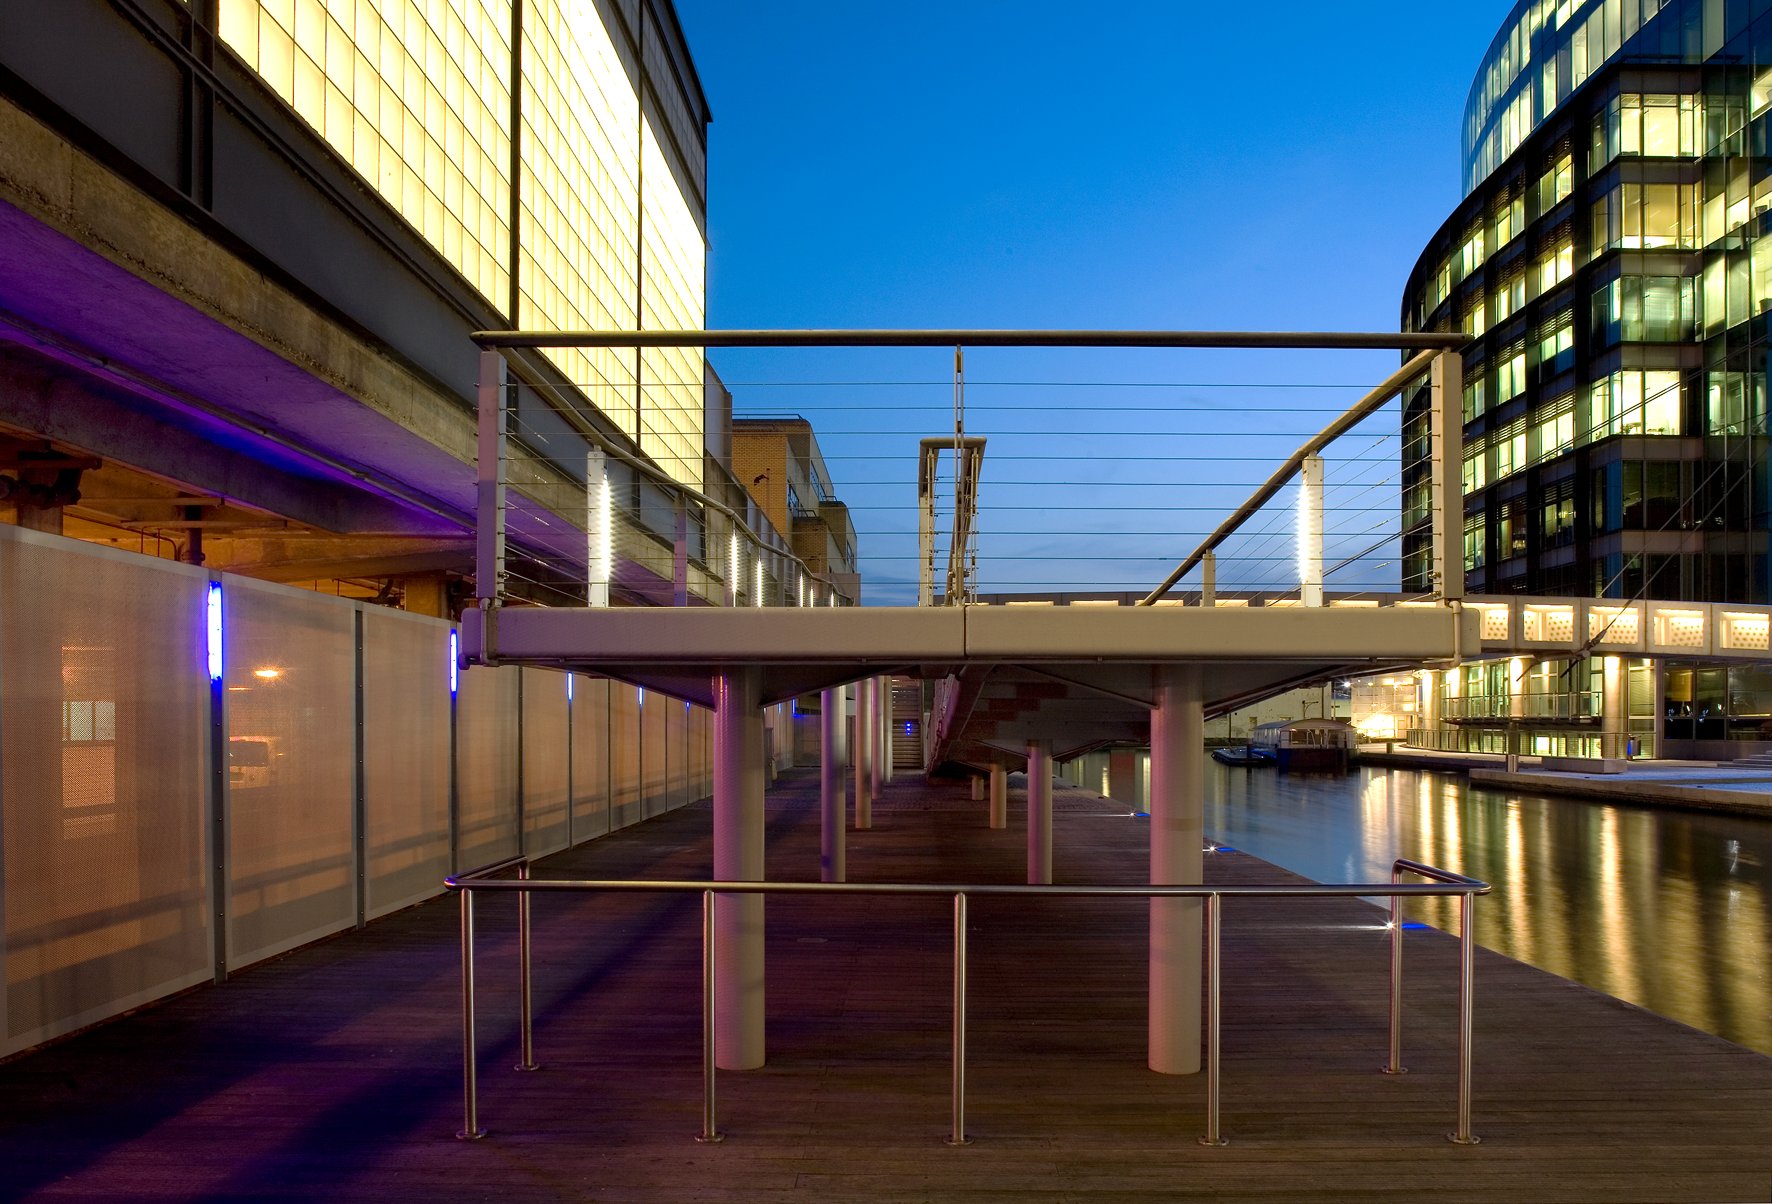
(333, 1073)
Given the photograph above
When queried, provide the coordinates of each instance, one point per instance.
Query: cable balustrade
(1080, 491)
(1441, 883)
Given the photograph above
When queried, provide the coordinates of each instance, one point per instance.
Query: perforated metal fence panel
(486, 765)
(405, 757)
(545, 785)
(590, 757)
(104, 704)
(677, 753)
(624, 753)
(655, 710)
(290, 671)
(701, 735)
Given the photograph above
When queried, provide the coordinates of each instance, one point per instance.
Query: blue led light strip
(213, 628)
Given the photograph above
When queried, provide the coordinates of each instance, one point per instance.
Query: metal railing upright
(1442, 883)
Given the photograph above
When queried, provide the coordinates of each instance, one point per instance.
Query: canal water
(1667, 909)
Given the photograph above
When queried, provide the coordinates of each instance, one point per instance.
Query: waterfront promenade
(333, 1073)
(1688, 785)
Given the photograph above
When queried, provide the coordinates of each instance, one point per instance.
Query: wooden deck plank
(333, 1072)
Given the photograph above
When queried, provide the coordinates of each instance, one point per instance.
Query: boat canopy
(1304, 733)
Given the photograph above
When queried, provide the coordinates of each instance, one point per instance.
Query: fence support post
(710, 1133)
(957, 1134)
(470, 1130)
(525, 977)
(1467, 947)
(1214, 1017)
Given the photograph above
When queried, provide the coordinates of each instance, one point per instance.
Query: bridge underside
(1077, 678)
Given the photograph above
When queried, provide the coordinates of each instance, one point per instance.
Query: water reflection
(1668, 910)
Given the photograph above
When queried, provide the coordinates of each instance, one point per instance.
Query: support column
(1614, 721)
(830, 787)
(1659, 668)
(878, 734)
(1123, 776)
(842, 693)
(999, 795)
(977, 789)
(1039, 812)
(864, 748)
(1516, 711)
(1177, 809)
(738, 857)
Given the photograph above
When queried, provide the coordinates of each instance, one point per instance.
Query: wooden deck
(333, 1073)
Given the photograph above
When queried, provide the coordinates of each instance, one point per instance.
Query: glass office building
(1612, 264)
(554, 153)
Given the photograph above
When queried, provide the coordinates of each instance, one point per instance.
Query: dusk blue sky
(1141, 165)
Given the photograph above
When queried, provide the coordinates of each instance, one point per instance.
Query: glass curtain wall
(419, 100)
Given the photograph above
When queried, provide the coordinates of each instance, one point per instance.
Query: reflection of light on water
(1666, 909)
(1619, 973)
(1513, 878)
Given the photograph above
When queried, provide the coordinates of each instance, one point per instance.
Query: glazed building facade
(1612, 265)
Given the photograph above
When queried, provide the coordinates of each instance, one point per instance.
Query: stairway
(1757, 761)
(907, 724)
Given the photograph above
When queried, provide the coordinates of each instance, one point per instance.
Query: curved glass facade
(1612, 267)
(1548, 48)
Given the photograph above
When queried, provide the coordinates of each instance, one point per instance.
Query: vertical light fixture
(213, 629)
(1310, 532)
(734, 568)
(600, 501)
(454, 660)
(757, 598)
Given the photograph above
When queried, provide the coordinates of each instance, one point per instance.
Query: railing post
(1467, 946)
(957, 1136)
(1395, 1065)
(525, 979)
(1214, 1018)
(470, 1130)
(710, 1133)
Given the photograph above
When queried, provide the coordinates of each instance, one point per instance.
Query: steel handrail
(1466, 960)
(1442, 883)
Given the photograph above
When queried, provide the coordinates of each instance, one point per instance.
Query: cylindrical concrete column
(1177, 826)
(738, 857)
(1039, 812)
(977, 784)
(830, 787)
(877, 733)
(1614, 708)
(842, 693)
(864, 749)
(999, 795)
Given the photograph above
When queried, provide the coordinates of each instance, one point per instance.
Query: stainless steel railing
(1441, 883)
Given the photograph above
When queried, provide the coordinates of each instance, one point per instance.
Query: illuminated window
(416, 98)
(1555, 265)
(1634, 403)
(1553, 429)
